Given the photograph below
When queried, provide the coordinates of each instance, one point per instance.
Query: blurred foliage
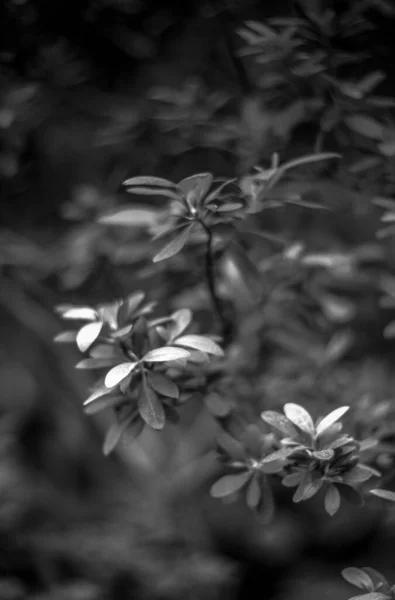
(97, 92)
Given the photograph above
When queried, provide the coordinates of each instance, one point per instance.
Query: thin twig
(210, 277)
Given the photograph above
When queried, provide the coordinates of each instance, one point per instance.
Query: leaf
(114, 435)
(325, 455)
(384, 494)
(200, 342)
(230, 206)
(312, 488)
(65, 336)
(305, 482)
(365, 126)
(226, 444)
(198, 184)
(253, 493)
(85, 313)
(102, 403)
(331, 418)
(118, 373)
(129, 306)
(358, 474)
(358, 578)
(152, 181)
(165, 354)
(229, 484)
(96, 363)
(292, 480)
(131, 217)
(163, 385)
(300, 417)
(151, 408)
(97, 393)
(182, 318)
(332, 500)
(175, 245)
(88, 334)
(280, 422)
(105, 351)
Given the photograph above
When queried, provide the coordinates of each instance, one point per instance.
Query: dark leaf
(253, 492)
(131, 217)
(332, 500)
(96, 363)
(151, 408)
(163, 385)
(229, 484)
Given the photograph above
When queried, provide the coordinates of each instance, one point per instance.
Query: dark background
(75, 121)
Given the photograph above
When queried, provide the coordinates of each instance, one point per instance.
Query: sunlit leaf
(118, 373)
(147, 180)
(200, 342)
(280, 422)
(84, 313)
(384, 494)
(165, 354)
(88, 334)
(131, 217)
(299, 417)
(334, 416)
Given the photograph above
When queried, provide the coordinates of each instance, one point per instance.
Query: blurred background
(93, 92)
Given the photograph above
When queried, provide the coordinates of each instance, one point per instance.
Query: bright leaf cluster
(138, 356)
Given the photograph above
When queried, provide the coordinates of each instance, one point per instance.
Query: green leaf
(165, 354)
(114, 434)
(358, 577)
(253, 493)
(163, 385)
(96, 363)
(372, 596)
(65, 336)
(182, 318)
(152, 181)
(324, 455)
(359, 474)
(332, 500)
(299, 417)
(131, 217)
(97, 393)
(102, 403)
(305, 482)
(333, 416)
(365, 126)
(280, 422)
(118, 373)
(230, 206)
(175, 245)
(85, 313)
(198, 185)
(226, 444)
(384, 494)
(200, 342)
(292, 480)
(229, 484)
(145, 191)
(151, 408)
(88, 334)
(129, 307)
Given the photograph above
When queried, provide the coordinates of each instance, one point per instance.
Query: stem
(210, 276)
